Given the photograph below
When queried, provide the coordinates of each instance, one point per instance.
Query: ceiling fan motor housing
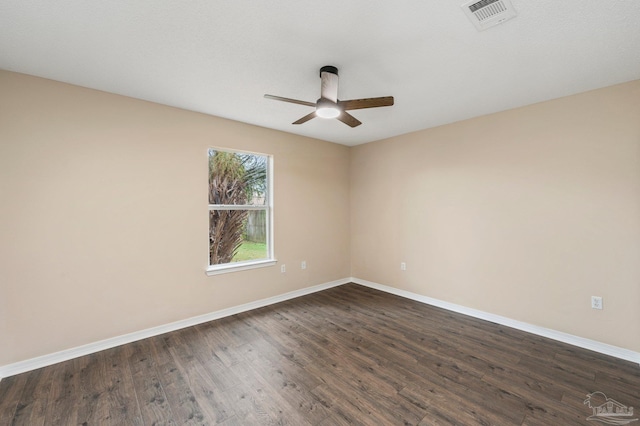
(329, 87)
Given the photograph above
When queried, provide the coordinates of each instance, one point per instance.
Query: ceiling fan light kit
(328, 106)
(327, 109)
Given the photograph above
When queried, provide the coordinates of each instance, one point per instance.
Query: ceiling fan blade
(349, 119)
(305, 118)
(366, 103)
(293, 101)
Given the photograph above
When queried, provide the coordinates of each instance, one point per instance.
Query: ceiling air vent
(487, 13)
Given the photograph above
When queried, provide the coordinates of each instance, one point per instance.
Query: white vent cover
(487, 13)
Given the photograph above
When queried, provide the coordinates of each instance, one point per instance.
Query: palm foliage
(234, 179)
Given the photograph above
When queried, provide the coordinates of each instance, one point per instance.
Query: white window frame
(268, 208)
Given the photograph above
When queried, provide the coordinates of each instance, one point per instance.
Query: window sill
(235, 267)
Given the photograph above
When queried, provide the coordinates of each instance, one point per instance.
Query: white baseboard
(581, 342)
(45, 360)
(67, 354)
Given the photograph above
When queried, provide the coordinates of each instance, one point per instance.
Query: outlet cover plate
(596, 302)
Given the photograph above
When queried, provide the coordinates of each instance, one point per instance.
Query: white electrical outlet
(303, 264)
(283, 268)
(596, 302)
(403, 266)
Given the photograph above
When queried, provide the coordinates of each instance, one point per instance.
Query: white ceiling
(220, 57)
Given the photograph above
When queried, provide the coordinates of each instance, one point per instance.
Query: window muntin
(239, 209)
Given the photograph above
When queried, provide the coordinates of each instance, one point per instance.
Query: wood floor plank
(124, 406)
(265, 403)
(337, 370)
(210, 397)
(344, 409)
(443, 407)
(348, 355)
(92, 379)
(149, 392)
(180, 397)
(63, 404)
(218, 344)
(11, 390)
(27, 410)
(287, 380)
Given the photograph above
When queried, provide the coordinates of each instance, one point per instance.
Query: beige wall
(103, 224)
(525, 213)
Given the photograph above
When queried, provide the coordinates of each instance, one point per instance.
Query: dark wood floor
(348, 355)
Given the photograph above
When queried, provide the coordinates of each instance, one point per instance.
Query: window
(240, 211)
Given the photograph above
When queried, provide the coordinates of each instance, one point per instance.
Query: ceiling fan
(328, 106)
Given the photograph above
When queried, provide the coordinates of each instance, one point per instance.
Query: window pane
(237, 178)
(254, 238)
(237, 236)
